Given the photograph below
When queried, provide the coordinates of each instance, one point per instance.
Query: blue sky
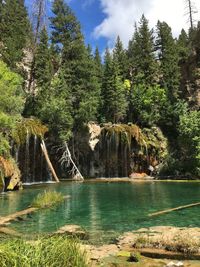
(103, 20)
(90, 15)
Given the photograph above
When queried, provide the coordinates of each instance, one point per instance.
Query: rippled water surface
(107, 207)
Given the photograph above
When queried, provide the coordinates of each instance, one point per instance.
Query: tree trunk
(43, 146)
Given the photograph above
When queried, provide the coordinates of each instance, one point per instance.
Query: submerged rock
(73, 230)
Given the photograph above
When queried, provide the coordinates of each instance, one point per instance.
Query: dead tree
(38, 14)
(190, 11)
(68, 161)
(44, 150)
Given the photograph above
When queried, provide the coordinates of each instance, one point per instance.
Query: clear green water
(109, 208)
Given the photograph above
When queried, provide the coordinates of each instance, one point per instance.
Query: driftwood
(14, 216)
(44, 149)
(174, 209)
(67, 159)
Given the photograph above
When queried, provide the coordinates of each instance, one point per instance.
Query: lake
(107, 209)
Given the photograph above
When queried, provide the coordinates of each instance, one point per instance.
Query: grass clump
(47, 199)
(45, 252)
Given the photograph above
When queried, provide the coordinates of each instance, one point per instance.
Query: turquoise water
(107, 207)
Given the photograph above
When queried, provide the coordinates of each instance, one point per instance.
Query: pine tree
(168, 56)
(121, 57)
(76, 63)
(54, 107)
(183, 46)
(43, 66)
(142, 62)
(113, 91)
(65, 29)
(14, 31)
(89, 90)
(98, 65)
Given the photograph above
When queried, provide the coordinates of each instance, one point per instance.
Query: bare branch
(67, 160)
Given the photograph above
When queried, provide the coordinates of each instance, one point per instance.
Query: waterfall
(34, 157)
(41, 165)
(117, 155)
(107, 174)
(125, 161)
(17, 154)
(27, 158)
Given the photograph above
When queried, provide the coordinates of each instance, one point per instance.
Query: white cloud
(121, 15)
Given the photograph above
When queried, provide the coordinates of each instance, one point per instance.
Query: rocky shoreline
(164, 243)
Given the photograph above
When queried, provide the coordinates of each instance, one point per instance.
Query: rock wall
(117, 150)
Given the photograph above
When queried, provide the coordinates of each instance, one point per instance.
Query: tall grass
(45, 252)
(47, 199)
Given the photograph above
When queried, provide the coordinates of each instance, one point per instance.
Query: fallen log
(14, 216)
(44, 150)
(174, 209)
(9, 231)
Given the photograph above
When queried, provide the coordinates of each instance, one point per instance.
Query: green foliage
(148, 104)
(183, 46)
(88, 91)
(14, 31)
(113, 92)
(4, 146)
(125, 132)
(54, 108)
(11, 105)
(77, 65)
(169, 60)
(11, 100)
(51, 251)
(119, 55)
(28, 127)
(65, 27)
(142, 85)
(98, 65)
(141, 54)
(47, 199)
(43, 69)
(189, 129)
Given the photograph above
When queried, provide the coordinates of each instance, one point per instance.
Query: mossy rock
(124, 254)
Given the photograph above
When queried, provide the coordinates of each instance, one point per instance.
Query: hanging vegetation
(127, 132)
(30, 126)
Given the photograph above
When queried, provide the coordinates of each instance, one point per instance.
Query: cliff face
(190, 79)
(117, 150)
(108, 150)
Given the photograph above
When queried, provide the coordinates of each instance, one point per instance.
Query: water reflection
(107, 206)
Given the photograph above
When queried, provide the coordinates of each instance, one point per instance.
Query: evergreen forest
(49, 73)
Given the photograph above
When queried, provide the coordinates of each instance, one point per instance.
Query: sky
(103, 20)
